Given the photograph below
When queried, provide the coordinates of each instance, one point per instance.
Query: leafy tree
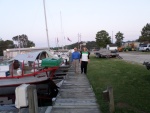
(23, 41)
(102, 38)
(119, 38)
(5, 45)
(89, 45)
(30, 43)
(9, 44)
(145, 34)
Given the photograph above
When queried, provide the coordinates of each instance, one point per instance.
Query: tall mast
(19, 44)
(79, 40)
(46, 24)
(61, 29)
(112, 37)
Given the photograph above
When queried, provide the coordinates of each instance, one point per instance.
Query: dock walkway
(75, 96)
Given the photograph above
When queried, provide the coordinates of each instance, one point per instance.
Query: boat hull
(8, 86)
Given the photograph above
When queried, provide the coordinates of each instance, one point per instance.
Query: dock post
(111, 100)
(70, 57)
(32, 99)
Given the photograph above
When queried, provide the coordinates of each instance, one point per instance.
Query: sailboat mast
(61, 29)
(46, 25)
(19, 44)
(112, 37)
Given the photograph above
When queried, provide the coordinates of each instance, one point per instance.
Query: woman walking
(84, 59)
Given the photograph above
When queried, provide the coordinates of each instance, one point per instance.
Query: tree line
(89, 45)
(19, 41)
(103, 38)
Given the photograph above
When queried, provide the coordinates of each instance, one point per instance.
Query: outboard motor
(53, 89)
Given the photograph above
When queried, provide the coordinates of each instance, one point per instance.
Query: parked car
(144, 47)
(105, 53)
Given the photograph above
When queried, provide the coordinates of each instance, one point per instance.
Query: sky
(67, 18)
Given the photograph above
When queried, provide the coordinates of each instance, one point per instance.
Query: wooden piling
(111, 100)
(32, 99)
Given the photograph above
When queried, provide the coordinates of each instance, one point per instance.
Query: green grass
(130, 82)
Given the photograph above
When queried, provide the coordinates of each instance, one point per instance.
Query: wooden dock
(75, 96)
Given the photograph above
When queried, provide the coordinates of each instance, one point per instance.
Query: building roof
(23, 49)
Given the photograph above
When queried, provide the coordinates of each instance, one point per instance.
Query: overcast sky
(78, 16)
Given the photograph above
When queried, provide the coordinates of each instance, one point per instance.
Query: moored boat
(31, 68)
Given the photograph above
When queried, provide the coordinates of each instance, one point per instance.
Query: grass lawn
(130, 82)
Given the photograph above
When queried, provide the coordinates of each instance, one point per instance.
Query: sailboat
(30, 68)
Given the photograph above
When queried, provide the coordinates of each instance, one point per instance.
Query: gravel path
(135, 57)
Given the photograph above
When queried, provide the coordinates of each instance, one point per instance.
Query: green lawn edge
(130, 82)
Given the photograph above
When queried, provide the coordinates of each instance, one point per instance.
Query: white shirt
(84, 56)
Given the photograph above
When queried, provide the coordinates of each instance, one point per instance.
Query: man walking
(75, 60)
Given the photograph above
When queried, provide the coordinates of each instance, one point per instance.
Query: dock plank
(75, 96)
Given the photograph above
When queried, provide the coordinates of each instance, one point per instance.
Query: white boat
(27, 68)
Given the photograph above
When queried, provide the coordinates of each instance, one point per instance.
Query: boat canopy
(33, 56)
